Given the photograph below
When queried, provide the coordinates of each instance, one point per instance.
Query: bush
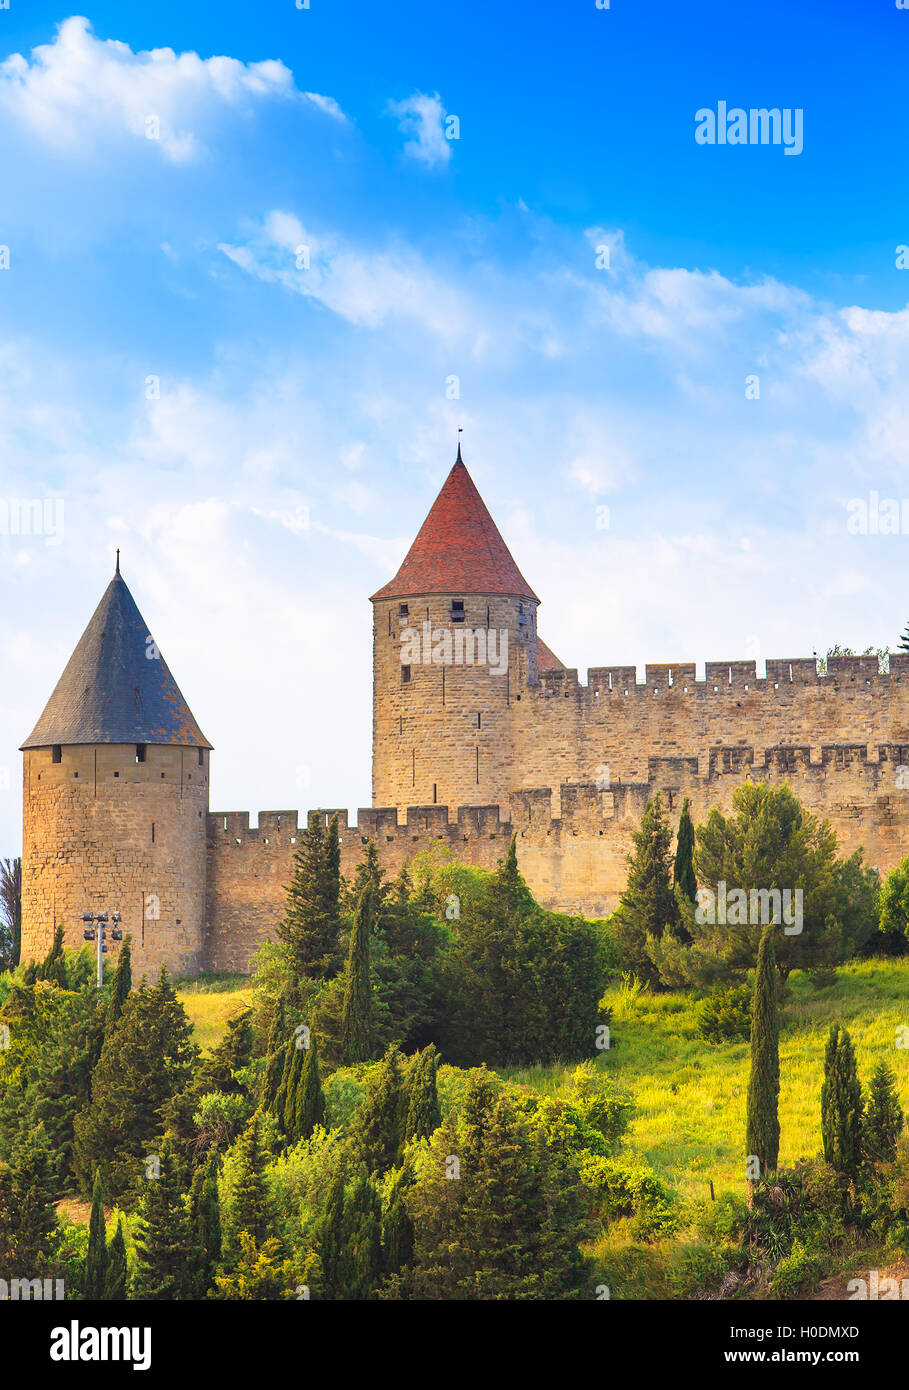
(725, 1015)
(624, 1189)
(798, 1272)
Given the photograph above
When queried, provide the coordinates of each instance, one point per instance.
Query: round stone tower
(115, 798)
(455, 646)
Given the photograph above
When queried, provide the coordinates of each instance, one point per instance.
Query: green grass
(210, 1002)
(690, 1097)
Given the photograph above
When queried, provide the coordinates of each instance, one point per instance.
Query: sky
(259, 264)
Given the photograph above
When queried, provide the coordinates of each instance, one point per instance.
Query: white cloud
(81, 93)
(421, 116)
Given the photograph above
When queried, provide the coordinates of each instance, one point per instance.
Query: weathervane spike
(118, 560)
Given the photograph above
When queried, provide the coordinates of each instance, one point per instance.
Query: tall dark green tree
(903, 643)
(883, 1117)
(762, 1140)
(116, 1284)
(357, 1012)
(296, 1054)
(312, 920)
(276, 1055)
(232, 1053)
(27, 1215)
(378, 1129)
(164, 1243)
(397, 1225)
(250, 1198)
(310, 1106)
(683, 873)
(53, 967)
(648, 906)
(841, 1104)
(147, 1059)
(94, 1285)
(423, 1115)
(123, 983)
(205, 1225)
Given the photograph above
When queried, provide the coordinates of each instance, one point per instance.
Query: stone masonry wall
(575, 862)
(105, 833)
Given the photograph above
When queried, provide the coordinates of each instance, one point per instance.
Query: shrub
(725, 1015)
(797, 1272)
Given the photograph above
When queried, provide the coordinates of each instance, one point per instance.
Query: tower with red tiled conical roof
(454, 645)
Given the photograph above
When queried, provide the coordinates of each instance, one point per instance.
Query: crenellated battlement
(781, 673)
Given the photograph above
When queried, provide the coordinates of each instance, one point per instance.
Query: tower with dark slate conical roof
(115, 798)
(442, 717)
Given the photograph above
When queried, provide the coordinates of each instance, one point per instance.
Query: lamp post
(93, 930)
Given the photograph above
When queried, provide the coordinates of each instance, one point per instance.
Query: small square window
(403, 610)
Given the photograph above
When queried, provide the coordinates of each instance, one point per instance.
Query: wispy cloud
(420, 117)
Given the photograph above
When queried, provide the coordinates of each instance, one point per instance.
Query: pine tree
(312, 920)
(232, 1053)
(123, 983)
(295, 1059)
(205, 1225)
(96, 1261)
(310, 1107)
(683, 874)
(250, 1200)
(145, 1062)
(27, 1215)
(841, 1104)
(883, 1118)
(903, 643)
(164, 1242)
(763, 1132)
(397, 1226)
(52, 968)
(377, 1131)
(356, 1019)
(276, 1056)
(423, 1113)
(648, 906)
(117, 1280)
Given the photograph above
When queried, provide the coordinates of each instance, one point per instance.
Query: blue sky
(263, 439)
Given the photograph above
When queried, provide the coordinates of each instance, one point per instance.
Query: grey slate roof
(112, 691)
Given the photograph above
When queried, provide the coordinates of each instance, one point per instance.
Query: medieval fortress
(473, 741)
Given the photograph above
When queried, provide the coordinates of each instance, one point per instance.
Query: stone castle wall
(573, 862)
(103, 832)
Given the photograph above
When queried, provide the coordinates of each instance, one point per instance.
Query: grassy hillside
(690, 1096)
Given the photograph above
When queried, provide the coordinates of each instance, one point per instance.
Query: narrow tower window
(405, 675)
(140, 752)
(435, 796)
(479, 720)
(478, 767)
(153, 832)
(201, 758)
(413, 767)
(57, 753)
(457, 610)
(403, 610)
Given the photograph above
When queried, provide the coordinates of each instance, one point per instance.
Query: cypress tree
(205, 1225)
(52, 967)
(164, 1243)
(310, 1108)
(96, 1260)
(903, 643)
(232, 1053)
(883, 1118)
(378, 1128)
(397, 1226)
(123, 983)
(356, 1018)
(763, 1132)
(683, 874)
(312, 921)
(294, 1073)
(276, 1054)
(841, 1104)
(648, 906)
(423, 1113)
(250, 1210)
(28, 1220)
(116, 1282)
